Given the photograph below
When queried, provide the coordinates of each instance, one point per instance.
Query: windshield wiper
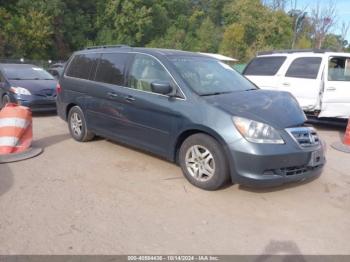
(251, 89)
(216, 93)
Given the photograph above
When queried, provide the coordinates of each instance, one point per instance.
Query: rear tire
(203, 162)
(77, 125)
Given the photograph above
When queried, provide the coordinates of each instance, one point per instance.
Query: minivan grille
(304, 136)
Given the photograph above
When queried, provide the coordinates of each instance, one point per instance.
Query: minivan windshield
(26, 73)
(209, 76)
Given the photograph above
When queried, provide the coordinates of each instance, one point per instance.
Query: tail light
(58, 88)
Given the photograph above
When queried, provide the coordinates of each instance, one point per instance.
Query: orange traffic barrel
(345, 145)
(16, 132)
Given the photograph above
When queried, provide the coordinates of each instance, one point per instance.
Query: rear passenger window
(305, 67)
(264, 66)
(111, 68)
(82, 66)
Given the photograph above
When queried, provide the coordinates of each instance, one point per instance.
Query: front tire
(203, 162)
(77, 125)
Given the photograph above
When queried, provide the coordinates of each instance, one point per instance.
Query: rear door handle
(129, 99)
(331, 88)
(286, 84)
(112, 94)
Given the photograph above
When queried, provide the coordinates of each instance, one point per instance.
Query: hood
(36, 86)
(278, 109)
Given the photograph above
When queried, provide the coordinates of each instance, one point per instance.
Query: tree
(343, 33)
(26, 30)
(298, 21)
(323, 19)
(53, 29)
(276, 4)
(256, 28)
(233, 43)
(208, 37)
(174, 38)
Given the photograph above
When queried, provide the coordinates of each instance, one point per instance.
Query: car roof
(5, 65)
(57, 65)
(151, 51)
(301, 52)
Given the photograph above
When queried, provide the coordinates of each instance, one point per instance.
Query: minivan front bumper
(262, 165)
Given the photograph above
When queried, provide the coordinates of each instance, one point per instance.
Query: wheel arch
(68, 108)
(196, 130)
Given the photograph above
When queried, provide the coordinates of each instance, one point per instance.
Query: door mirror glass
(161, 87)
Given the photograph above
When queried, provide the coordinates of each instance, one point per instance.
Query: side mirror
(162, 87)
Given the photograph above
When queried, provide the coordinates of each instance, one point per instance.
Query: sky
(342, 10)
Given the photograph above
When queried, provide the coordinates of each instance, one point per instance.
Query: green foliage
(124, 21)
(304, 43)
(334, 42)
(53, 29)
(253, 27)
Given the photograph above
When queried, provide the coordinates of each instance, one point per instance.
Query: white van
(319, 80)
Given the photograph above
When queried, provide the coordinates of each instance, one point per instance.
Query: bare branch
(275, 4)
(323, 19)
(344, 30)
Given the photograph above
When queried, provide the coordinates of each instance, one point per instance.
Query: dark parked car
(56, 69)
(190, 109)
(27, 85)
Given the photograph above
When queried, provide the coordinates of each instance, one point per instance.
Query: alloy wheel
(200, 163)
(76, 124)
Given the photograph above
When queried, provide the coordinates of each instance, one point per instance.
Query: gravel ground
(104, 198)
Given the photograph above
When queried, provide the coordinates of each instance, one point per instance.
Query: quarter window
(144, 71)
(111, 68)
(305, 67)
(264, 66)
(83, 66)
(339, 69)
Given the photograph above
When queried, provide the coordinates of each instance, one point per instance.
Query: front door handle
(286, 84)
(129, 99)
(331, 88)
(112, 94)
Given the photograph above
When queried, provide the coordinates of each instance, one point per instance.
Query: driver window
(144, 71)
(339, 69)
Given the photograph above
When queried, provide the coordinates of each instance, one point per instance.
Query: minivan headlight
(20, 90)
(257, 132)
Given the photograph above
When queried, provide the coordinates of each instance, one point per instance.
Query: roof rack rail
(105, 46)
(290, 51)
